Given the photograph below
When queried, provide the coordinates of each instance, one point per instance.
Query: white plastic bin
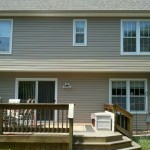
(103, 120)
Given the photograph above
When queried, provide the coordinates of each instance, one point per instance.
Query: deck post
(1, 121)
(131, 126)
(71, 134)
(115, 114)
(70, 117)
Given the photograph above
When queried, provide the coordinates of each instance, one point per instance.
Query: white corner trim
(121, 38)
(110, 91)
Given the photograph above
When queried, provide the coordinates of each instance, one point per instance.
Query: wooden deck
(85, 137)
(39, 132)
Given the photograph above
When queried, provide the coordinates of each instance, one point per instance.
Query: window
(119, 93)
(5, 36)
(135, 37)
(137, 96)
(79, 32)
(145, 36)
(129, 94)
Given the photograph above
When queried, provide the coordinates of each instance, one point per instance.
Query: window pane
(137, 104)
(145, 44)
(142, 92)
(5, 33)
(136, 88)
(5, 28)
(129, 36)
(4, 44)
(145, 29)
(118, 88)
(114, 88)
(80, 25)
(114, 91)
(129, 29)
(79, 38)
(137, 97)
(129, 44)
(145, 36)
(79, 32)
(26, 90)
(119, 93)
(120, 101)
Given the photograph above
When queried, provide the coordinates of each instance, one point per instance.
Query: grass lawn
(143, 141)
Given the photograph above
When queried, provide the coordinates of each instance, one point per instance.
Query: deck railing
(123, 119)
(37, 118)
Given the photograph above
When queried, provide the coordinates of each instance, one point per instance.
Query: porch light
(67, 86)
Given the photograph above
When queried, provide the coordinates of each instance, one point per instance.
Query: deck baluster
(53, 116)
(1, 121)
(40, 119)
(57, 121)
(62, 127)
(49, 123)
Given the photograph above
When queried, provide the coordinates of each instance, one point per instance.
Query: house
(84, 52)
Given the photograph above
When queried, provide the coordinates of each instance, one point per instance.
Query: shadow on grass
(144, 141)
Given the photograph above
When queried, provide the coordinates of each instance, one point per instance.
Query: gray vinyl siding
(89, 92)
(52, 38)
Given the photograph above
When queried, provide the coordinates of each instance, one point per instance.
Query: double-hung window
(6, 36)
(79, 32)
(129, 94)
(135, 37)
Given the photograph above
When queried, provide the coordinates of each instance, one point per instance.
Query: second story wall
(52, 38)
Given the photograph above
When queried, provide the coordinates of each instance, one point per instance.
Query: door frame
(36, 88)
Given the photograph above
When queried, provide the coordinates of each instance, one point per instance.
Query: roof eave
(75, 13)
(115, 70)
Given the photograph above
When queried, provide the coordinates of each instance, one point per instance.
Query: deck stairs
(103, 140)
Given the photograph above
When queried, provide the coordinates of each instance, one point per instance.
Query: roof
(74, 6)
(66, 5)
(74, 65)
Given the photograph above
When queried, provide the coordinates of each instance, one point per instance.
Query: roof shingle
(65, 5)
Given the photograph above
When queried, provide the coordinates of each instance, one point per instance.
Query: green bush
(143, 141)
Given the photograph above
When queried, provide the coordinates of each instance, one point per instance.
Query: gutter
(75, 13)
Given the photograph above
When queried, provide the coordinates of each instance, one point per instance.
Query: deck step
(87, 138)
(124, 144)
(97, 137)
(134, 146)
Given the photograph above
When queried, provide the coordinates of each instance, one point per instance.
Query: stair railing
(123, 119)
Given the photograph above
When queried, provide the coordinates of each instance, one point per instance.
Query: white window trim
(11, 35)
(128, 93)
(74, 33)
(137, 37)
